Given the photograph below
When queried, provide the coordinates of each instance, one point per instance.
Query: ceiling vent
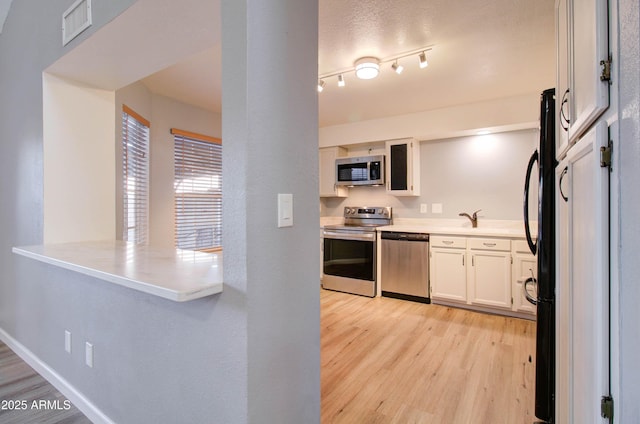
(75, 19)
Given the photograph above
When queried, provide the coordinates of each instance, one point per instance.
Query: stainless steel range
(349, 262)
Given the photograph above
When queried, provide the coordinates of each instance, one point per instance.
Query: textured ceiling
(482, 50)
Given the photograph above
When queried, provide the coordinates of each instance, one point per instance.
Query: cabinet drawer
(520, 246)
(489, 244)
(448, 241)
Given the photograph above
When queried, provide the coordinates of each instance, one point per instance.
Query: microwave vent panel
(75, 19)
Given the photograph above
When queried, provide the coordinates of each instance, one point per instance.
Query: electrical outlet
(88, 354)
(436, 208)
(67, 341)
(423, 208)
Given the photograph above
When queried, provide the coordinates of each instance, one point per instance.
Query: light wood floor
(383, 361)
(19, 382)
(393, 361)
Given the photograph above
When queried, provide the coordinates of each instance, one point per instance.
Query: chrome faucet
(473, 218)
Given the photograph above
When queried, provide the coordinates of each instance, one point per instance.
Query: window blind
(198, 191)
(135, 167)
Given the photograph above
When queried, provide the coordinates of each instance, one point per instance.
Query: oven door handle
(349, 236)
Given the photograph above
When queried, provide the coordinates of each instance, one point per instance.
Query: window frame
(136, 141)
(205, 184)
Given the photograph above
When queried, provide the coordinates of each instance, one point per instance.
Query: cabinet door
(327, 172)
(403, 167)
(489, 279)
(587, 284)
(524, 266)
(447, 274)
(562, 77)
(589, 93)
(563, 317)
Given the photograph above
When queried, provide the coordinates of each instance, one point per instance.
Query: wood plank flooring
(393, 361)
(19, 382)
(383, 361)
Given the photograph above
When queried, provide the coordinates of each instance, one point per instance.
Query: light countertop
(486, 228)
(174, 274)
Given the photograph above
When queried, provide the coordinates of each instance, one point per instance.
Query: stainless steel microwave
(360, 170)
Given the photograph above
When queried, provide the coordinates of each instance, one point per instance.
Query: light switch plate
(67, 341)
(88, 354)
(436, 208)
(285, 210)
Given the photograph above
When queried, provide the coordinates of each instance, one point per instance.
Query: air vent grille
(76, 19)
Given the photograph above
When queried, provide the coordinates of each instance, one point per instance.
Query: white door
(589, 93)
(563, 309)
(448, 275)
(588, 280)
(562, 77)
(490, 279)
(524, 266)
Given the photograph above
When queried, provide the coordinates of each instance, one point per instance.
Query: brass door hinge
(605, 155)
(605, 75)
(606, 407)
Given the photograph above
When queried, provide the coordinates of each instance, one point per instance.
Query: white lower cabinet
(489, 273)
(447, 272)
(525, 265)
(481, 273)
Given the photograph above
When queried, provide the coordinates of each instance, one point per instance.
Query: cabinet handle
(447, 242)
(564, 172)
(473, 262)
(489, 244)
(462, 260)
(563, 118)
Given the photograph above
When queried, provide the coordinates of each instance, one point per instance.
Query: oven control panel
(383, 212)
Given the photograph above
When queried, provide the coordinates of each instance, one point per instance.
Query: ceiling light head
(340, 80)
(397, 68)
(320, 86)
(423, 60)
(367, 67)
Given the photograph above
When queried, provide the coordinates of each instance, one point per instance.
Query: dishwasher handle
(392, 235)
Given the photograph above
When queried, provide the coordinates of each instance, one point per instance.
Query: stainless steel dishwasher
(405, 266)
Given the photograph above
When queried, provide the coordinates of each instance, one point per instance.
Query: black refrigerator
(543, 244)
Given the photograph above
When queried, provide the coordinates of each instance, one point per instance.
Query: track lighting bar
(371, 66)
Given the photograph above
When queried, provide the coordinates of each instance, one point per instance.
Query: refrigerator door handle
(527, 231)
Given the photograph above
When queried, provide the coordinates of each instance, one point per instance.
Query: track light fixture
(423, 60)
(369, 67)
(397, 68)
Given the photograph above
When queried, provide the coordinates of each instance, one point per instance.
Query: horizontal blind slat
(198, 193)
(135, 160)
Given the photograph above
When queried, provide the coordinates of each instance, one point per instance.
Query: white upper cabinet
(583, 67)
(327, 170)
(403, 167)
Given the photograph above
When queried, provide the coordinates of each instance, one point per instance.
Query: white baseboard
(49, 374)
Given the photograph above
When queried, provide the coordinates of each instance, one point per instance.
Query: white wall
(79, 161)
(463, 174)
(270, 131)
(249, 354)
(163, 113)
(627, 342)
(506, 114)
